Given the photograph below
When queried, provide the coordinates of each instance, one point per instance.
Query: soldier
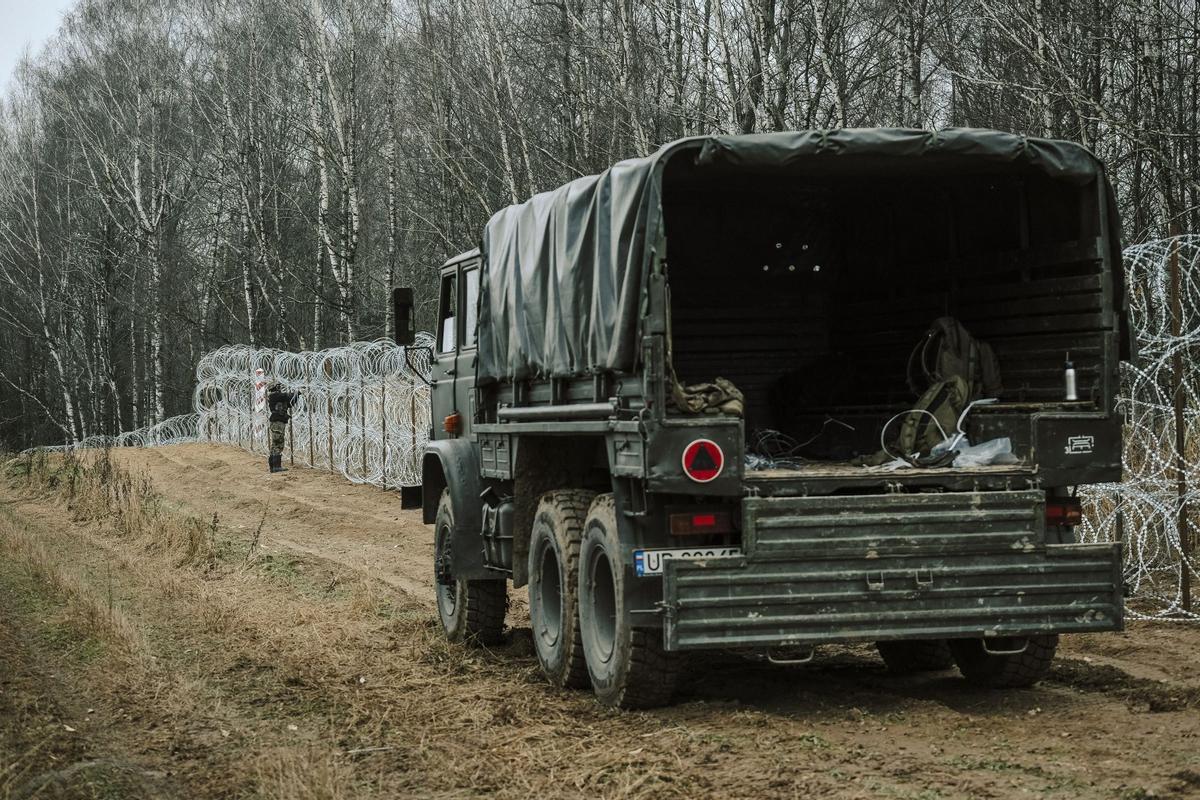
(280, 403)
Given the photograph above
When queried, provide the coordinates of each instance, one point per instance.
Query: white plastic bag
(993, 451)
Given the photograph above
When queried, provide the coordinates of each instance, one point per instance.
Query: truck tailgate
(899, 566)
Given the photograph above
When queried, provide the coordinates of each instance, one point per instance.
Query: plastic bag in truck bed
(967, 455)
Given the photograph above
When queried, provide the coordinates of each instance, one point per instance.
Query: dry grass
(269, 674)
(92, 606)
(366, 678)
(94, 489)
(303, 773)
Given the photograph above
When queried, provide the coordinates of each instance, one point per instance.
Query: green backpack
(943, 402)
(918, 434)
(946, 350)
(948, 369)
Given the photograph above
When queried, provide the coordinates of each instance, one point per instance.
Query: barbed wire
(173, 430)
(1146, 509)
(362, 409)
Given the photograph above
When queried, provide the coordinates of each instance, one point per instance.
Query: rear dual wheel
(554, 585)
(1006, 663)
(628, 666)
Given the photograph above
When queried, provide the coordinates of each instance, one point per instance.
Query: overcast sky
(26, 22)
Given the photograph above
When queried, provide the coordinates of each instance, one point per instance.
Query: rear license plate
(650, 562)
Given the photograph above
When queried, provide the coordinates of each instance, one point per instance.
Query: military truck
(567, 454)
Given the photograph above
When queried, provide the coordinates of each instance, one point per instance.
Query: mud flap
(410, 497)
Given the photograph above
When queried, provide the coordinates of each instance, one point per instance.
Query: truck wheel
(628, 666)
(994, 670)
(470, 611)
(554, 586)
(916, 655)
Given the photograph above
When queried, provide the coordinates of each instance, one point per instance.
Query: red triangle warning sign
(703, 460)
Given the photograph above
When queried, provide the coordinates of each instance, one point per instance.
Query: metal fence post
(412, 428)
(362, 415)
(383, 426)
(312, 460)
(329, 427)
(1185, 535)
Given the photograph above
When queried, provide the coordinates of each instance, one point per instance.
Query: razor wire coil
(173, 430)
(1146, 511)
(362, 409)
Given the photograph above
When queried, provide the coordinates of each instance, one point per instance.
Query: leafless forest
(180, 174)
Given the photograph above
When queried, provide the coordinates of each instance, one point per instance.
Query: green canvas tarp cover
(561, 294)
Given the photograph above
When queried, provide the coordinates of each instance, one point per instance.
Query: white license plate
(650, 562)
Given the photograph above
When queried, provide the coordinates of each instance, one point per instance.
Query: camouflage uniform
(280, 404)
(278, 431)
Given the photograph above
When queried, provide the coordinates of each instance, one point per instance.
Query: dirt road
(173, 657)
(357, 527)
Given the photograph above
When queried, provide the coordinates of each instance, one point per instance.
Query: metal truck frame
(638, 528)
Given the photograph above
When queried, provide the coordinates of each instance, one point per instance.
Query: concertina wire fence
(1146, 509)
(364, 412)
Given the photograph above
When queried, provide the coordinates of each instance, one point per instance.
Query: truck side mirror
(402, 316)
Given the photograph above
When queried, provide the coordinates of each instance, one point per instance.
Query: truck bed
(824, 477)
(844, 469)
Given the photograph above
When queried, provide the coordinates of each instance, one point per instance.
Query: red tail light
(701, 523)
(1067, 511)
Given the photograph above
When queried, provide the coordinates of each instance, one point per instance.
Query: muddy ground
(286, 648)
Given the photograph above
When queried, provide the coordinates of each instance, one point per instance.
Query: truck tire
(916, 655)
(554, 586)
(1004, 670)
(470, 610)
(628, 666)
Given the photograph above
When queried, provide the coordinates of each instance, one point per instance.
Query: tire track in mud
(1140, 693)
